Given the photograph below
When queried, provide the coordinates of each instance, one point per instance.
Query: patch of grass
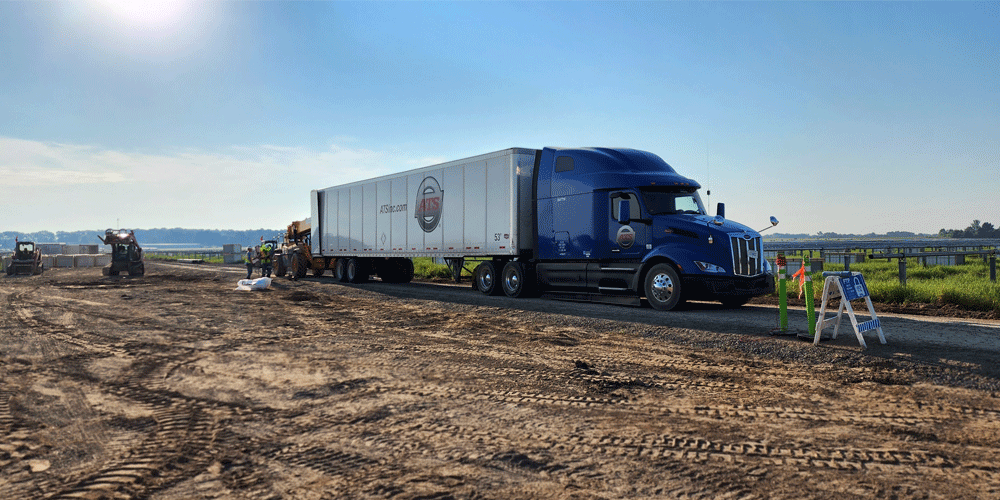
(967, 286)
(424, 267)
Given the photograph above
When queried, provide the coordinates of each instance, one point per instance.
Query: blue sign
(854, 287)
(869, 325)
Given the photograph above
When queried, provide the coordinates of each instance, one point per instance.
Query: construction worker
(248, 259)
(266, 255)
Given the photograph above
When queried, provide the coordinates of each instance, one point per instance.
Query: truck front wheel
(663, 287)
(486, 279)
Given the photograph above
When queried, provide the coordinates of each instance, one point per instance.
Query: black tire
(299, 265)
(405, 270)
(487, 280)
(517, 280)
(663, 287)
(280, 268)
(340, 270)
(395, 270)
(136, 269)
(357, 270)
(734, 302)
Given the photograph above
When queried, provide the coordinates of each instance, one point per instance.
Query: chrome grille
(748, 257)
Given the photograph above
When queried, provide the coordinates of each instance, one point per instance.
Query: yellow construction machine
(294, 258)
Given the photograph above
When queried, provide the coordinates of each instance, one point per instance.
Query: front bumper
(702, 287)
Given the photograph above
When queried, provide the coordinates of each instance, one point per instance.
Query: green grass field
(967, 286)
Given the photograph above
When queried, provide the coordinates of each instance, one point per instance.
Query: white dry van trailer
(475, 207)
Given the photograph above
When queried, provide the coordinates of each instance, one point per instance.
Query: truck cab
(623, 224)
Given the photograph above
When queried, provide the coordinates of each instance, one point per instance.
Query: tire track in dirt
(897, 411)
(693, 449)
(175, 450)
(659, 446)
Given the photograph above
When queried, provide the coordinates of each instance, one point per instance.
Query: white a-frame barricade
(848, 286)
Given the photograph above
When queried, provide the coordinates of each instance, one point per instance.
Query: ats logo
(626, 237)
(430, 199)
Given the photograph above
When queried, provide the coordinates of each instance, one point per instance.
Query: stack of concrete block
(64, 261)
(83, 260)
(232, 253)
(102, 259)
(50, 248)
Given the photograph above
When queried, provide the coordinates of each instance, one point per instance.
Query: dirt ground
(176, 386)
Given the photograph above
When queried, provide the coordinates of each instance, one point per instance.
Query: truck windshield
(672, 201)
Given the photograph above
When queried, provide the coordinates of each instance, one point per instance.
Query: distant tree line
(975, 230)
(194, 237)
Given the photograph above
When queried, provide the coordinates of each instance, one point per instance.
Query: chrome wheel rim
(486, 280)
(663, 287)
(513, 281)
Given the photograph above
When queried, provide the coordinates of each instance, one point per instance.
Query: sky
(834, 117)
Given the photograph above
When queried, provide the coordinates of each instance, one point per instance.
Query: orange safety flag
(801, 274)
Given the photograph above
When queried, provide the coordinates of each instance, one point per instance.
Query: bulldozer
(294, 258)
(126, 254)
(27, 259)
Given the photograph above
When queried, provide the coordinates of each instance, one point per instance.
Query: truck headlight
(709, 268)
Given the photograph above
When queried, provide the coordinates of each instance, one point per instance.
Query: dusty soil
(176, 386)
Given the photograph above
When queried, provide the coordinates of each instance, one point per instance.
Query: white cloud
(54, 186)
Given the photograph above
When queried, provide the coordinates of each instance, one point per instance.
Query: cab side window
(633, 202)
(564, 164)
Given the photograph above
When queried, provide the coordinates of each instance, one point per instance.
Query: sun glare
(147, 14)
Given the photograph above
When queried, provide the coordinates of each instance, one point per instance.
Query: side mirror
(774, 222)
(623, 212)
(720, 210)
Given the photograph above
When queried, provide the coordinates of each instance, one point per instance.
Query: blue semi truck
(604, 224)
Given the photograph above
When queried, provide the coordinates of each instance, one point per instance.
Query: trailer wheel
(663, 287)
(356, 270)
(487, 280)
(516, 280)
(340, 270)
(405, 270)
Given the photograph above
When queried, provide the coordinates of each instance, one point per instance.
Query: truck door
(626, 241)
